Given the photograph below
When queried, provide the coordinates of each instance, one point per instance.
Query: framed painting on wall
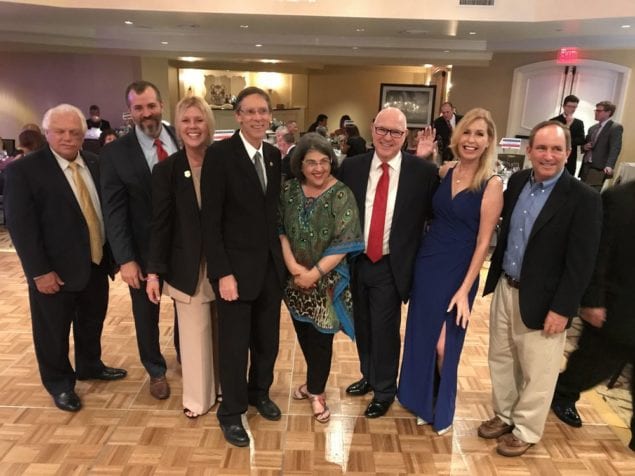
(415, 101)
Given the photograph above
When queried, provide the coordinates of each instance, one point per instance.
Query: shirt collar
(394, 163)
(251, 150)
(64, 163)
(545, 184)
(144, 139)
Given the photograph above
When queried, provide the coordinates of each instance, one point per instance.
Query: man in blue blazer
(240, 192)
(126, 166)
(381, 280)
(542, 264)
(53, 215)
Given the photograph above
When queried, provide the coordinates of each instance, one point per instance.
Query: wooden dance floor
(123, 430)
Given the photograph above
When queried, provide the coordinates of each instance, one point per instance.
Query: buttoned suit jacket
(418, 180)
(576, 130)
(613, 279)
(608, 144)
(45, 221)
(561, 250)
(240, 222)
(126, 184)
(176, 246)
(444, 133)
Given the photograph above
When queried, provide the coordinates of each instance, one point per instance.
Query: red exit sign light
(568, 55)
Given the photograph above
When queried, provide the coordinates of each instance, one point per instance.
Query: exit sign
(568, 55)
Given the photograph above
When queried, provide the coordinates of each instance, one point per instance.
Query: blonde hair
(488, 158)
(200, 104)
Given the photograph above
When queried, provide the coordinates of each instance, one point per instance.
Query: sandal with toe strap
(190, 414)
(321, 411)
(301, 393)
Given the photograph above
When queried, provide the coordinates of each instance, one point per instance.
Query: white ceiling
(301, 40)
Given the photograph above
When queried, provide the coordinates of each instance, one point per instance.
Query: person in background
(292, 127)
(31, 127)
(286, 146)
(354, 144)
(320, 228)
(344, 121)
(53, 213)
(126, 166)
(320, 120)
(240, 191)
(176, 254)
(444, 125)
(95, 120)
(542, 264)
(466, 206)
(29, 141)
(107, 136)
(576, 128)
(393, 191)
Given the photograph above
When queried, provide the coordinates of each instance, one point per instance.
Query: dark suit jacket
(126, 185)
(46, 224)
(418, 180)
(101, 125)
(561, 250)
(176, 246)
(608, 144)
(444, 135)
(577, 139)
(613, 280)
(240, 222)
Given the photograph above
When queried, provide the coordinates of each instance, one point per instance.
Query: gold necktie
(92, 221)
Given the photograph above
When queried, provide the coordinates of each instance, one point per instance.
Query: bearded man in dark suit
(240, 189)
(54, 218)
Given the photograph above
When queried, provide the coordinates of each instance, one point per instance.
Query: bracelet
(322, 273)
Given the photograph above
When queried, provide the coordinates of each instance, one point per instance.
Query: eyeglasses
(314, 163)
(263, 111)
(382, 131)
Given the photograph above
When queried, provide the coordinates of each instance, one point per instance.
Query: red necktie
(162, 154)
(375, 248)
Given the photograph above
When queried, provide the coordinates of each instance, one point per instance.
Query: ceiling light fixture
(427, 65)
(258, 45)
(355, 47)
(359, 30)
(128, 22)
(244, 26)
(164, 42)
(472, 33)
(190, 59)
(626, 26)
(446, 51)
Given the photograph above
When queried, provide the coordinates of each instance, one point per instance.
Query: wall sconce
(269, 81)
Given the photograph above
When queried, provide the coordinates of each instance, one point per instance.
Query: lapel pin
(270, 164)
(187, 174)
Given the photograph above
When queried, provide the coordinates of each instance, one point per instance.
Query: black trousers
(595, 360)
(51, 318)
(146, 322)
(317, 348)
(248, 332)
(377, 310)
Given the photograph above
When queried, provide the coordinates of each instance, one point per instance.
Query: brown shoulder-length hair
(488, 158)
(200, 104)
(311, 141)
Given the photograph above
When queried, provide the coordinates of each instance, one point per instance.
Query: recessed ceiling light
(244, 26)
(472, 33)
(164, 42)
(270, 61)
(626, 26)
(446, 51)
(359, 30)
(128, 22)
(258, 45)
(190, 59)
(355, 47)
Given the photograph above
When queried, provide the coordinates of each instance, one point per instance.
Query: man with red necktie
(126, 166)
(394, 192)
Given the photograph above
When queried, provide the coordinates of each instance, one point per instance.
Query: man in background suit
(541, 265)
(576, 128)
(54, 218)
(286, 146)
(126, 166)
(381, 278)
(608, 336)
(444, 125)
(240, 189)
(602, 147)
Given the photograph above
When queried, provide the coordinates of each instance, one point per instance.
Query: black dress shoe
(377, 409)
(67, 401)
(267, 408)
(235, 434)
(107, 373)
(567, 413)
(361, 387)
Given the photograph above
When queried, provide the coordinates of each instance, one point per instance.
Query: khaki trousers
(524, 365)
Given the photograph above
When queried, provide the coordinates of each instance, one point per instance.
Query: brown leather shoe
(159, 388)
(510, 445)
(494, 428)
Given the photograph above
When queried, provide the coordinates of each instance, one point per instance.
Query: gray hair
(63, 109)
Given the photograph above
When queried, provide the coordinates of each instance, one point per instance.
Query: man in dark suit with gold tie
(54, 218)
(240, 189)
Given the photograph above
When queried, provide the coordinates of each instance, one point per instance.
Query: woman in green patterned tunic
(319, 228)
